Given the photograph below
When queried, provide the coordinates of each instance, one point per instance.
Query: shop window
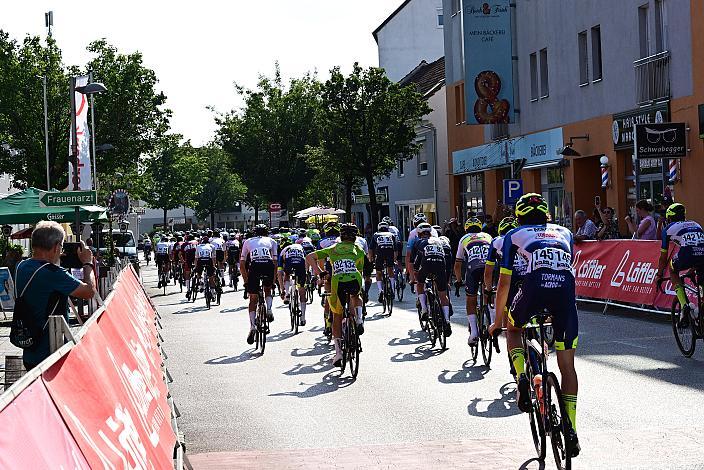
(544, 84)
(596, 53)
(583, 58)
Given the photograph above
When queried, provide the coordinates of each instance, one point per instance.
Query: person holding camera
(647, 228)
(45, 286)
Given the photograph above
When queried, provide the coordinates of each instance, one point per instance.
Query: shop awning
(536, 166)
(23, 208)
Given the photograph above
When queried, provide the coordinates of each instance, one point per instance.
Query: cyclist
(495, 251)
(382, 249)
(292, 259)
(257, 264)
(449, 259)
(346, 263)
(417, 220)
(147, 247)
(688, 235)
(331, 231)
(205, 260)
(219, 246)
(163, 259)
(428, 257)
(548, 283)
(472, 252)
(189, 258)
(232, 252)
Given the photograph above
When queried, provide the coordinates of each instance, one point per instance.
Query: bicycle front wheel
(353, 349)
(389, 296)
(484, 320)
(559, 424)
(685, 335)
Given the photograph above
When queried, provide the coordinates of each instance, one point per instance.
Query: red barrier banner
(34, 435)
(109, 388)
(621, 270)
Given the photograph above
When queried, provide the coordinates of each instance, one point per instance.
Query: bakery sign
(623, 126)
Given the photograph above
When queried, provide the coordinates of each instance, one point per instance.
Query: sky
(199, 49)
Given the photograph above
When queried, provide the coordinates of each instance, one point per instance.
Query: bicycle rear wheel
(296, 311)
(685, 336)
(389, 295)
(484, 320)
(559, 424)
(439, 321)
(263, 326)
(353, 348)
(207, 294)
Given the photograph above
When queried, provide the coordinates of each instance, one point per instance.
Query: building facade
(584, 74)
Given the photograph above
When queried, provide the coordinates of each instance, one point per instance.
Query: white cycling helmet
(418, 218)
(424, 227)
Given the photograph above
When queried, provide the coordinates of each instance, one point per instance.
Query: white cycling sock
(423, 301)
(446, 312)
(269, 301)
(359, 316)
(303, 309)
(252, 316)
(380, 286)
(473, 329)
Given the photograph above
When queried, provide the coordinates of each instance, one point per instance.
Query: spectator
(586, 230)
(647, 228)
(608, 226)
(454, 233)
(489, 226)
(49, 289)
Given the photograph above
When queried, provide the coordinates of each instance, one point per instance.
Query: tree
(266, 139)
(173, 175)
(371, 121)
(328, 179)
(220, 190)
(22, 112)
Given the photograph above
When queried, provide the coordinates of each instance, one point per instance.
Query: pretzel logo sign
(489, 109)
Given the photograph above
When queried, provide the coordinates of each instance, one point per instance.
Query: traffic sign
(274, 207)
(139, 210)
(513, 190)
(67, 198)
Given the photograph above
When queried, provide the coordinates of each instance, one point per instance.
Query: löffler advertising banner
(85, 181)
(488, 61)
(620, 270)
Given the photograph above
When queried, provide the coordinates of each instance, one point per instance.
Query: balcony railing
(652, 78)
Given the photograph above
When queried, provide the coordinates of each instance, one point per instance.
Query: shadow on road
(233, 310)
(502, 407)
(323, 365)
(286, 334)
(414, 337)
(331, 382)
(317, 349)
(531, 464)
(244, 357)
(465, 375)
(377, 316)
(420, 354)
(188, 310)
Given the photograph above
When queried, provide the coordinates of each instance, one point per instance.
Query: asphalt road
(640, 401)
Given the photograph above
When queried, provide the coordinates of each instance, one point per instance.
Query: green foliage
(221, 189)
(266, 140)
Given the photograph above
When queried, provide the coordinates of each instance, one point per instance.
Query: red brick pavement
(477, 453)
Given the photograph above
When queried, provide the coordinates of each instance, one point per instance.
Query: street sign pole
(74, 152)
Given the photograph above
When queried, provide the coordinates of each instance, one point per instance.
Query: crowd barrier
(99, 402)
(621, 271)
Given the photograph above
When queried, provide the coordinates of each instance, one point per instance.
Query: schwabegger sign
(67, 198)
(665, 140)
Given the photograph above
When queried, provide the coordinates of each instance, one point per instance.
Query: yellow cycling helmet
(531, 202)
(676, 212)
(472, 222)
(507, 224)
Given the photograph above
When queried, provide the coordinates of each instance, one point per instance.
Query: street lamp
(91, 89)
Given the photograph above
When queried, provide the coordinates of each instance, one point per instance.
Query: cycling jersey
(292, 255)
(218, 244)
(327, 242)
(383, 241)
(259, 250)
(346, 262)
(233, 251)
(414, 234)
(307, 245)
(163, 248)
(359, 241)
(689, 237)
(394, 231)
(548, 282)
(205, 251)
(473, 248)
(189, 251)
(428, 257)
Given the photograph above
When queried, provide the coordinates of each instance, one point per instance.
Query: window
(533, 77)
(660, 37)
(441, 18)
(423, 159)
(544, 85)
(596, 53)
(401, 161)
(583, 59)
(643, 34)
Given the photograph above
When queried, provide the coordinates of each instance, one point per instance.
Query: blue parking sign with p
(513, 190)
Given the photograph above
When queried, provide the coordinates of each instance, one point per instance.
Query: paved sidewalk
(6, 349)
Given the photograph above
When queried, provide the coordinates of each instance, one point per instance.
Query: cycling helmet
(383, 226)
(506, 225)
(676, 212)
(225, 236)
(472, 222)
(315, 236)
(284, 243)
(445, 240)
(348, 230)
(205, 239)
(179, 238)
(529, 203)
(261, 230)
(424, 227)
(388, 220)
(418, 218)
(275, 230)
(302, 232)
(437, 228)
(331, 228)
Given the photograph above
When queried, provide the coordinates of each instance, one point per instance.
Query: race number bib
(693, 239)
(260, 254)
(344, 266)
(433, 251)
(478, 253)
(551, 258)
(162, 250)
(204, 253)
(385, 241)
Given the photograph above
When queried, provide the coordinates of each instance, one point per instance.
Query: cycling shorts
(299, 269)
(384, 258)
(339, 290)
(533, 297)
(161, 258)
(259, 272)
(219, 256)
(472, 279)
(368, 267)
(207, 264)
(688, 257)
(436, 269)
(233, 257)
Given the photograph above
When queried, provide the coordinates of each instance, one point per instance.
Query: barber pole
(673, 170)
(604, 176)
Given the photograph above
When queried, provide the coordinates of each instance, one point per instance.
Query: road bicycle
(261, 322)
(311, 281)
(687, 329)
(547, 414)
(234, 276)
(400, 283)
(163, 277)
(195, 285)
(434, 326)
(147, 256)
(294, 307)
(486, 342)
(178, 275)
(350, 343)
(387, 297)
